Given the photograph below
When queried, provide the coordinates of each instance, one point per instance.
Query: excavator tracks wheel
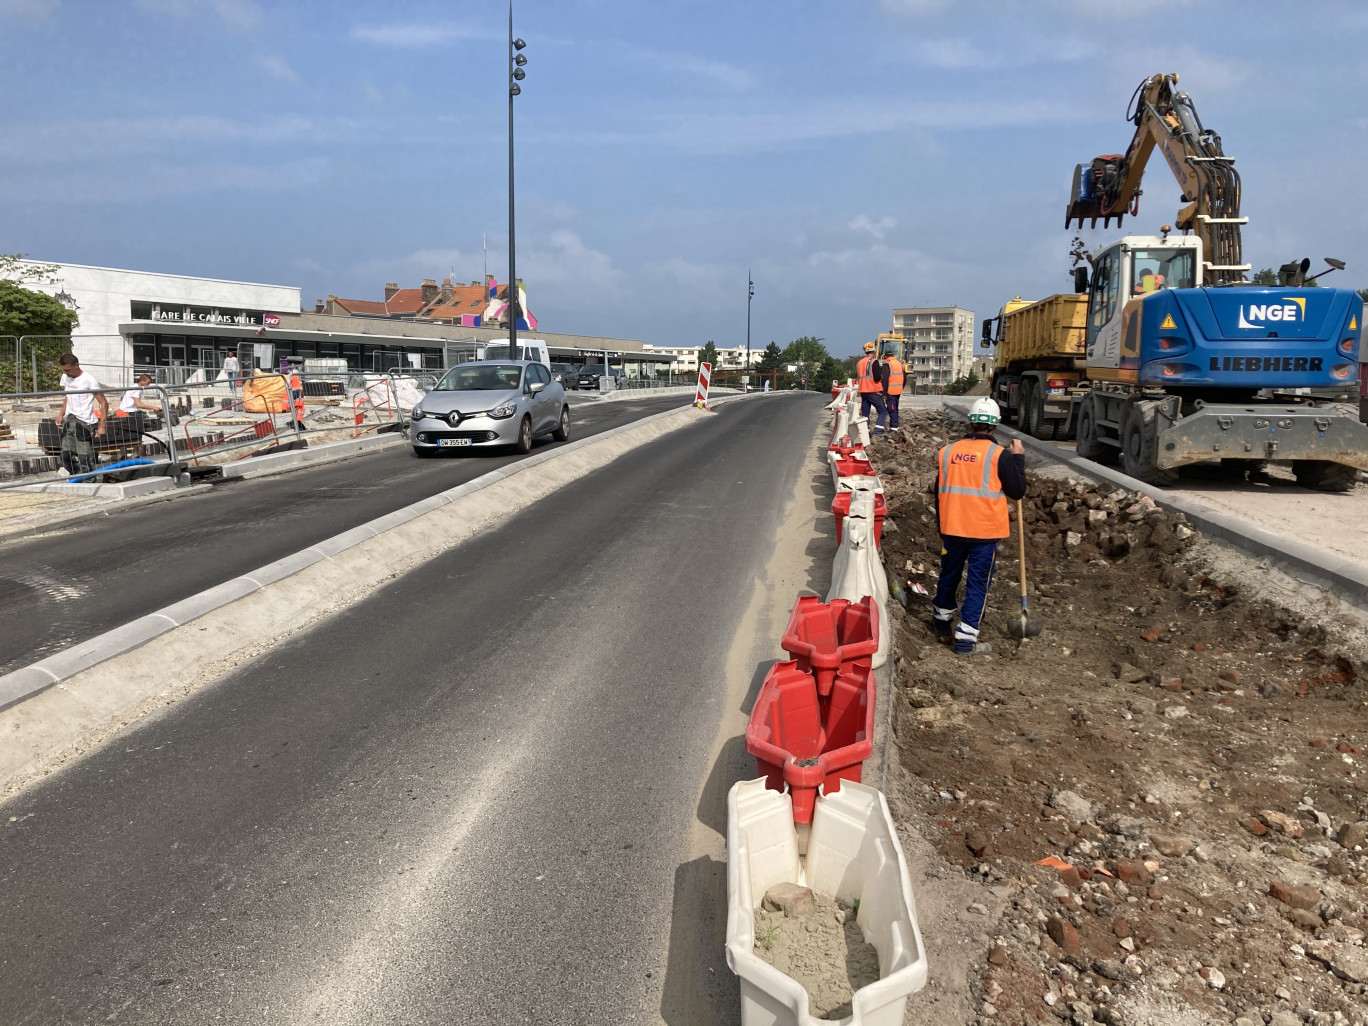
(1324, 476)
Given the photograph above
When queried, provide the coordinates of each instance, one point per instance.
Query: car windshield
(592, 369)
(481, 377)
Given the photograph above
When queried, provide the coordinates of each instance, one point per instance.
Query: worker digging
(1159, 800)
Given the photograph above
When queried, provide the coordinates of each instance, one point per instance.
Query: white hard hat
(984, 411)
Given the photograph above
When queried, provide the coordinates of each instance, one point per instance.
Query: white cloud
(99, 186)
(417, 35)
(875, 228)
(276, 67)
(60, 142)
(33, 10)
(702, 67)
(239, 15)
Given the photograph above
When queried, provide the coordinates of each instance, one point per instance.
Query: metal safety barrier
(33, 449)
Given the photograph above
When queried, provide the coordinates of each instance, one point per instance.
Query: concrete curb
(283, 462)
(1341, 577)
(102, 490)
(37, 677)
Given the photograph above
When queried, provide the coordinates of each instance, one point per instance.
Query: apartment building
(940, 344)
(684, 360)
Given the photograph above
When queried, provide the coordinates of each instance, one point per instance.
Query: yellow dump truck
(1039, 363)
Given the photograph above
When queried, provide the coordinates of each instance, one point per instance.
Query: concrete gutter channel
(1340, 577)
(371, 566)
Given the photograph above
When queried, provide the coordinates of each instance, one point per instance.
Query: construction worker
(974, 479)
(894, 376)
(869, 379)
(297, 399)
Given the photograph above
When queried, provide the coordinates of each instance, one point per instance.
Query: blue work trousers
(876, 400)
(977, 558)
(892, 402)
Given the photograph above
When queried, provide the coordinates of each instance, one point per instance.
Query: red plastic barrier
(847, 467)
(781, 713)
(827, 639)
(843, 447)
(840, 509)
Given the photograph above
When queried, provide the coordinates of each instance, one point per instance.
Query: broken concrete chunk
(791, 899)
(1077, 808)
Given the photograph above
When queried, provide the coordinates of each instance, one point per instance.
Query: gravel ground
(1155, 809)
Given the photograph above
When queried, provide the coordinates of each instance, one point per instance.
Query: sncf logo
(1259, 315)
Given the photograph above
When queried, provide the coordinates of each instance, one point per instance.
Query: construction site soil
(1161, 795)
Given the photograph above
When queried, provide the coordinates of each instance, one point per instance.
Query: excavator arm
(1164, 119)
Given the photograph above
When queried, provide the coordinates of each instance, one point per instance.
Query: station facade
(176, 327)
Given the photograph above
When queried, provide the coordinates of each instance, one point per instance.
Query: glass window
(481, 377)
(1102, 303)
(1155, 269)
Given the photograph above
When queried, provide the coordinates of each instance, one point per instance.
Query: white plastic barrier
(857, 572)
(862, 432)
(832, 457)
(859, 483)
(852, 854)
(842, 426)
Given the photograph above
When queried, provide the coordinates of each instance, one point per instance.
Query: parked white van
(528, 349)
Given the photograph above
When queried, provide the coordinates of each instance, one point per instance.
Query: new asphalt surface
(467, 798)
(62, 588)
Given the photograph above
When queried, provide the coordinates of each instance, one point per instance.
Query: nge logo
(1266, 312)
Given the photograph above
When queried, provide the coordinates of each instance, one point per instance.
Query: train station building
(176, 326)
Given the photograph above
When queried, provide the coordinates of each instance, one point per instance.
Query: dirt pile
(815, 939)
(1162, 794)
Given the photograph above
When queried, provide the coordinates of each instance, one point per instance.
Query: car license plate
(454, 441)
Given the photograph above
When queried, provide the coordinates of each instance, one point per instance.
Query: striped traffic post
(704, 377)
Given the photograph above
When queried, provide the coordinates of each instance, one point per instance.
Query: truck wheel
(1324, 476)
(1140, 449)
(1086, 443)
(1026, 407)
(1042, 427)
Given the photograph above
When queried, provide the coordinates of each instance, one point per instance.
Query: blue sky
(855, 155)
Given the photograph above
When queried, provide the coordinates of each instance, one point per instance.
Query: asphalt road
(466, 799)
(68, 586)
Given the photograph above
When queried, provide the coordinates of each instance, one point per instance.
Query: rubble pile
(1162, 795)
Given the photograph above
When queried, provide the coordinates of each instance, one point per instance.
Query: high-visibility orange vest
(969, 494)
(895, 375)
(866, 378)
(297, 391)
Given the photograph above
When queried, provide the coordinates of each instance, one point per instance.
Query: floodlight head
(518, 44)
(519, 74)
(520, 60)
(514, 90)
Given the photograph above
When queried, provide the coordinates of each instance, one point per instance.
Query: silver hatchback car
(490, 403)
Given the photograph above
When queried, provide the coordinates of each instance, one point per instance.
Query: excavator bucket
(1085, 201)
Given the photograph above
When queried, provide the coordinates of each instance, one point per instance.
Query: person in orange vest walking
(869, 379)
(894, 376)
(297, 399)
(975, 477)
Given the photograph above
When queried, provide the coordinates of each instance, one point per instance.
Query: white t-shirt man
(129, 403)
(82, 407)
(230, 367)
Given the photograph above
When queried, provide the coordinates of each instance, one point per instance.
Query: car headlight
(416, 413)
(503, 411)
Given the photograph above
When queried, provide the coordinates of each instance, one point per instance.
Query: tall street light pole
(515, 75)
(750, 294)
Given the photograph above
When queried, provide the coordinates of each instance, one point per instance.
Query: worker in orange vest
(297, 399)
(974, 479)
(894, 376)
(869, 379)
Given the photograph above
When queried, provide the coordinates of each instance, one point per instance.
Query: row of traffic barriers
(808, 830)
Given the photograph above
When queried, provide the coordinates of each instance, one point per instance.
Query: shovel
(1025, 627)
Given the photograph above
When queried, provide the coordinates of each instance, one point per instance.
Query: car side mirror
(537, 386)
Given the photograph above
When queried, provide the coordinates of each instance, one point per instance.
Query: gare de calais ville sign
(204, 315)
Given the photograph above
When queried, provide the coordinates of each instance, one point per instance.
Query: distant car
(589, 376)
(565, 373)
(490, 403)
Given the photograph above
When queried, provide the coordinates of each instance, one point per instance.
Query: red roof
(405, 301)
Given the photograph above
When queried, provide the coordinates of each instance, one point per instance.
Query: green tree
(962, 385)
(708, 355)
(25, 312)
(807, 354)
(771, 360)
(1363, 295)
(14, 269)
(831, 370)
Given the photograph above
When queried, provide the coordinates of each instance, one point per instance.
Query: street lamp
(516, 61)
(750, 294)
